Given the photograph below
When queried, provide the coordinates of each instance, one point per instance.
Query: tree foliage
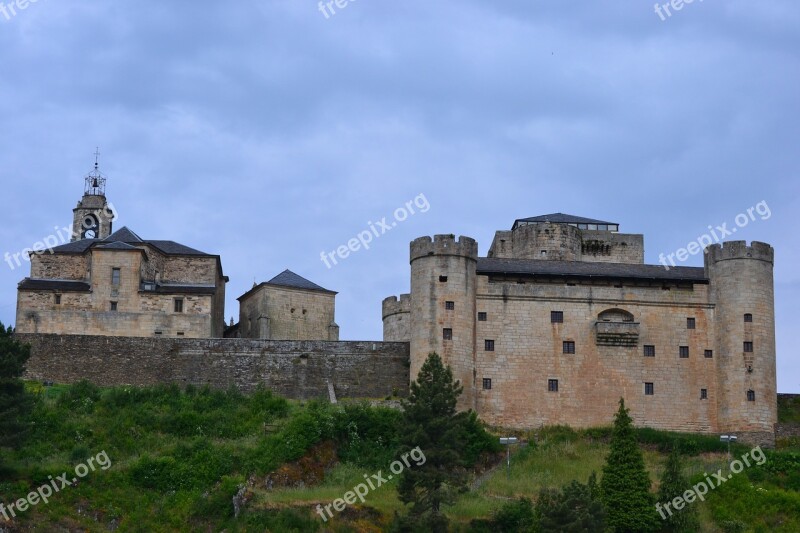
(15, 403)
(625, 487)
(430, 422)
(674, 483)
(576, 508)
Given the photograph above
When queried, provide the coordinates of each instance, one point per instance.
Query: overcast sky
(268, 131)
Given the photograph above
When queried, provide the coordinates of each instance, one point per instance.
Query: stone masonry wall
(294, 369)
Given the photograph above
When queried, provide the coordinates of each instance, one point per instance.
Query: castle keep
(562, 318)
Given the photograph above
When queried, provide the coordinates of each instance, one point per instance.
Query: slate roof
(562, 218)
(586, 270)
(126, 236)
(287, 278)
(29, 284)
(118, 246)
(123, 235)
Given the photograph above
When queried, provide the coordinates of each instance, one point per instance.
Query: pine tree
(15, 403)
(430, 422)
(625, 487)
(674, 483)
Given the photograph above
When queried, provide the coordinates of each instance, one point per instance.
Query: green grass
(179, 456)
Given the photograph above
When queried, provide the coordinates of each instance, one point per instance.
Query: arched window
(615, 315)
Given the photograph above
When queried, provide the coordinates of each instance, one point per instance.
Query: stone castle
(562, 318)
(553, 326)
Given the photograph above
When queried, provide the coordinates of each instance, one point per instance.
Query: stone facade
(294, 369)
(119, 284)
(544, 332)
(288, 307)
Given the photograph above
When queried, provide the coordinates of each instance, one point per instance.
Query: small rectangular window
(748, 317)
(748, 347)
(556, 317)
(482, 317)
(487, 383)
(704, 394)
(179, 305)
(447, 334)
(690, 323)
(449, 306)
(180, 334)
(751, 396)
(649, 350)
(443, 279)
(552, 385)
(684, 352)
(58, 299)
(709, 354)
(113, 306)
(569, 346)
(115, 276)
(649, 389)
(488, 344)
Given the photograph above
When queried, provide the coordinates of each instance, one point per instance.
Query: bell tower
(93, 217)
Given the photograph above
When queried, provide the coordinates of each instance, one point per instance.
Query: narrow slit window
(704, 394)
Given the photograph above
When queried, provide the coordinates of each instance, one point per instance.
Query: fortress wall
(294, 369)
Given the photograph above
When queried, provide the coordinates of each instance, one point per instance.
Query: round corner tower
(397, 318)
(741, 279)
(443, 306)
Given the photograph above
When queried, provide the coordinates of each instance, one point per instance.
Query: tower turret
(93, 216)
(443, 306)
(741, 287)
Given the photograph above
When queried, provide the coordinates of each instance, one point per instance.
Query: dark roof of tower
(289, 279)
(561, 218)
(587, 270)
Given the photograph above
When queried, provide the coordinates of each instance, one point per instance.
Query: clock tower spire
(93, 217)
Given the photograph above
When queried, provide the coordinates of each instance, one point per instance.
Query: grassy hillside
(179, 457)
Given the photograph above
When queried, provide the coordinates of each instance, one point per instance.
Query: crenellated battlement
(444, 245)
(740, 250)
(393, 306)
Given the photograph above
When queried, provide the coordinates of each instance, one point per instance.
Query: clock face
(90, 234)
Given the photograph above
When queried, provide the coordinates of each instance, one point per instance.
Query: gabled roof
(123, 235)
(561, 218)
(121, 239)
(587, 270)
(118, 246)
(289, 279)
